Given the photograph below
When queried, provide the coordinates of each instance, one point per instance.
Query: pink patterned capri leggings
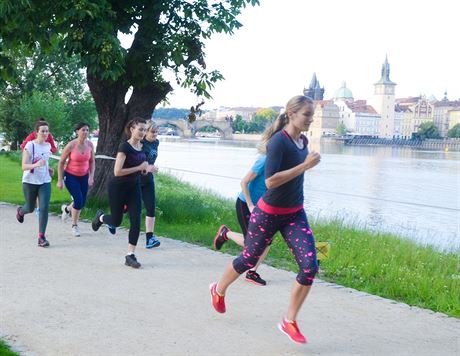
(296, 232)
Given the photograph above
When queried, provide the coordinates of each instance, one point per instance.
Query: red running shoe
(218, 302)
(221, 237)
(292, 331)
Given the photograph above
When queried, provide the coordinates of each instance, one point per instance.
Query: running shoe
(152, 242)
(112, 229)
(43, 242)
(64, 213)
(218, 302)
(75, 230)
(19, 215)
(254, 277)
(96, 224)
(292, 331)
(221, 237)
(131, 261)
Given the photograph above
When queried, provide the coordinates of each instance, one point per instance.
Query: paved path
(77, 298)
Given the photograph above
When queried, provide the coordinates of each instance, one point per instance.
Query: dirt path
(77, 298)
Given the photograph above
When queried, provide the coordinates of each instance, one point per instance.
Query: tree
(168, 35)
(239, 124)
(428, 130)
(268, 113)
(43, 85)
(341, 129)
(454, 132)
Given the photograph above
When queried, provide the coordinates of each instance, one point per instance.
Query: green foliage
(454, 132)
(5, 350)
(257, 124)
(44, 85)
(341, 129)
(267, 113)
(168, 35)
(239, 124)
(428, 130)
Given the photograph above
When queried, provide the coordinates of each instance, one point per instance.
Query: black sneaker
(112, 229)
(221, 237)
(19, 216)
(254, 277)
(96, 224)
(43, 242)
(131, 261)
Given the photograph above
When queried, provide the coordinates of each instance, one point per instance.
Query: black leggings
(297, 234)
(148, 194)
(243, 214)
(125, 193)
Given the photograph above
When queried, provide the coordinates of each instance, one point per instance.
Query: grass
(5, 350)
(380, 264)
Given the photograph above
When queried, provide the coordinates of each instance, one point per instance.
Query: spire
(385, 73)
(314, 81)
(314, 91)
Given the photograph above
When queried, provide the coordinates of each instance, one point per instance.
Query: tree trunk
(109, 98)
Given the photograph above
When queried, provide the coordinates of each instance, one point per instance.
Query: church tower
(384, 102)
(314, 91)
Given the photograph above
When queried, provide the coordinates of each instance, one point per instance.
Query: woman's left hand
(51, 171)
(90, 181)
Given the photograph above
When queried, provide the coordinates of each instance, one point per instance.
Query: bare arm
(64, 155)
(118, 169)
(282, 177)
(249, 177)
(92, 165)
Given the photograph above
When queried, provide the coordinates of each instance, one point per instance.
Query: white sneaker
(64, 214)
(75, 230)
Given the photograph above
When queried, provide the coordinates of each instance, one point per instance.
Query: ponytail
(276, 126)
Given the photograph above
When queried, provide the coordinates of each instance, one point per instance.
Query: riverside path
(77, 298)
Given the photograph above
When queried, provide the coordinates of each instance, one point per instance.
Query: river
(415, 194)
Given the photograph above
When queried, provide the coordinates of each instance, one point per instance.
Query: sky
(283, 42)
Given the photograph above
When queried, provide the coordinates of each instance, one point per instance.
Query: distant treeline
(170, 113)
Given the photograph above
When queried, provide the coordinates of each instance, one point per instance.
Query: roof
(343, 92)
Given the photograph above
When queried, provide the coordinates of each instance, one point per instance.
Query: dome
(343, 93)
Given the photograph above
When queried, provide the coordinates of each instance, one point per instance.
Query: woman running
(150, 147)
(125, 188)
(252, 188)
(78, 174)
(281, 209)
(36, 179)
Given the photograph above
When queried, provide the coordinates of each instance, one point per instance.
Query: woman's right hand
(143, 166)
(60, 184)
(312, 160)
(40, 163)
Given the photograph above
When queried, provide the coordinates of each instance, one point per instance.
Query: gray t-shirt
(38, 175)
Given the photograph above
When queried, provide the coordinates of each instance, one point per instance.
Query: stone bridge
(186, 129)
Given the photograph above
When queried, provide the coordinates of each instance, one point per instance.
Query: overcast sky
(282, 42)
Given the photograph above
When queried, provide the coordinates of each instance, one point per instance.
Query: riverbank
(381, 264)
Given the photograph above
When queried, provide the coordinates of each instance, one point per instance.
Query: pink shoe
(218, 302)
(292, 331)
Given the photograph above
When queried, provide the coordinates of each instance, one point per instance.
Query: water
(414, 194)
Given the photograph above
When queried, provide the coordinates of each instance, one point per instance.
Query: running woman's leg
(44, 195)
(300, 240)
